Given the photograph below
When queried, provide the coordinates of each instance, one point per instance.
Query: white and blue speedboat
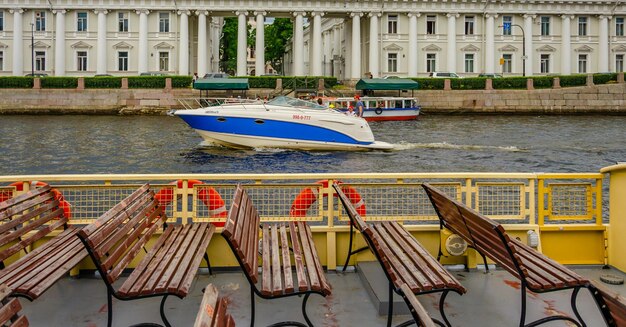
(283, 122)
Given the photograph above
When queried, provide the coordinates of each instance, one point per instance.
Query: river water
(435, 143)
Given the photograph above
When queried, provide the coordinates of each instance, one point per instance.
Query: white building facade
(348, 39)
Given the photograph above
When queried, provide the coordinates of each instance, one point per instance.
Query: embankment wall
(606, 98)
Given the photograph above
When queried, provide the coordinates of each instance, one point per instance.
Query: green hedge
(16, 82)
(604, 78)
(309, 82)
(573, 80)
(103, 82)
(470, 83)
(59, 82)
(180, 82)
(429, 83)
(543, 82)
(518, 82)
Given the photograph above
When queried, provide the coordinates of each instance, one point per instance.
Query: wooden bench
(212, 311)
(25, 220)
(9, 310)
(420, 316)
(612, 305)
(404, 260)
(281, 243)
(168, 267)
(536, 272)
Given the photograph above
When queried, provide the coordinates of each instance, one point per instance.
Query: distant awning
(387, 84)
(221, 84)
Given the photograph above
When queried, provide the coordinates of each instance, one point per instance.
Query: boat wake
(445, 145)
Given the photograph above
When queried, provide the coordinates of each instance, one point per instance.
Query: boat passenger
(350, 111)
(359, 105)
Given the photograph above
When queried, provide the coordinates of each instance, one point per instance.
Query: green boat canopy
(221, 84)
(387, 84)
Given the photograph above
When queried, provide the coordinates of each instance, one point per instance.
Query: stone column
(316, 48)
(101, 65)
(490, 48)
(259, 66)
(18, 42)
(566, 45)
(347, 35)
(355, 70)
(452, 42)
(298, 45)
(202, 43)
(374, 64)
(143, 41)
(215, 43)
(59, 44)
(337, 68)
(412, 69)
(528, 44)
(183, 44)
(242, 43)
(603, 42)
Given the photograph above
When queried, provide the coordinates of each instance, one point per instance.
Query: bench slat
(419, 313)
(391, 262)
(297, 255)
(20, 216)
(615, 305)
(286, 259)
(308, 251)
(266, 286)
(175, 258)
(23, 202)
(277, 282)
(229, 226)
(252, 242)
(325, 287)
(41, 231)
(355, 218)
(204, 234)
(207, 307)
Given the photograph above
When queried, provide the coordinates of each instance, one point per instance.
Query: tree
(277, 36)
(228, 44)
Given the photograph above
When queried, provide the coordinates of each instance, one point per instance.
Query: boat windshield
(293, 102)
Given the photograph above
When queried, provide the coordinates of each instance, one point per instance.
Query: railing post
(617, 215)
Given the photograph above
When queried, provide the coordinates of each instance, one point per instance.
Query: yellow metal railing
(555, 206)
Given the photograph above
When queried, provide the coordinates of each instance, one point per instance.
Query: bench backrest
(9, 310)
(481, 233)
(115, 239)
(242, 232)
(354, 216)
(212, 311)
(27, 218)
(614, 306)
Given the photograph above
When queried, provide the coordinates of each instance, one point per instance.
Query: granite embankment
(590, 99)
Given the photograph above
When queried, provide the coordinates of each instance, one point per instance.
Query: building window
(164, 61)
(1, 20)
(40, 21)
(545, 63)
(122, 61)
(392, 62)
(469, 25)
(122, 25)
(81, 61)
(1, 60)
(619, 63)
(392, 24)
(164, 22)
(81, 21)
(431, 62)
(582, 63)
(469, 62)
(431, 24)
(582, 26)
(545, 25)
(507, 66)
(619, 26)
(40, 61)
(506, 23)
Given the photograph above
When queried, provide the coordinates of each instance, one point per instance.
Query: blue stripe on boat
(270, 128)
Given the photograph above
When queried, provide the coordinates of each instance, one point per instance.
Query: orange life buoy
(308, 196)
(209, 196)
(63, 204)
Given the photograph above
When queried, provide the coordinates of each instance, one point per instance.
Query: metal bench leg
(345, 265)
(306, 318)
(575, 308)
(110, 307)
(208, 263)
(551, 318)
(390, 307)
(523, 315)
(442, 301)
(252, 306)
(167, 323)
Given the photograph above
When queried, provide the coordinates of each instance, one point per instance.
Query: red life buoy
(308, 196)
(209, 196)
(63, 204)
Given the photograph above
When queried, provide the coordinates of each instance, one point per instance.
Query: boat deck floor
(493, 299)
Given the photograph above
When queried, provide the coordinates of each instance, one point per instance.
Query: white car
(443, 75)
